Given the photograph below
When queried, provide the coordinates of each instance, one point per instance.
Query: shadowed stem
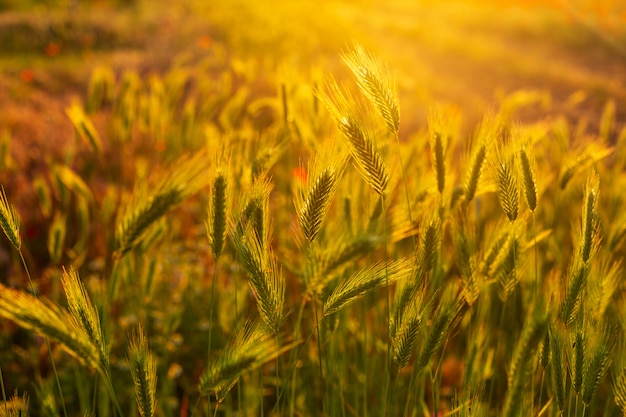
(4, 393)
(319, 347)
(54, 367)
(211, 307)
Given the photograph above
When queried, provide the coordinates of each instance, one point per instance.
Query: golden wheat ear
(16, 406)
(253, 346)
(85, 314)
(187, 178)
(313, 196)
(377, 83)
(349, 118)
(144, 372)
(265, 277)
(10, 221)
(366, 281)
(48, 319)
(405, 328)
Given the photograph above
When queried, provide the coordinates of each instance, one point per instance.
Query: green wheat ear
(218, 214)
(10, 221)
(144, 372)
(377, 83)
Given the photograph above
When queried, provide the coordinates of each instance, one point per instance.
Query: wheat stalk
(558, 376)
(377, 83)
(144, 372)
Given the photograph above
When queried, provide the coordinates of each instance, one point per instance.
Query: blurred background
(568, 57)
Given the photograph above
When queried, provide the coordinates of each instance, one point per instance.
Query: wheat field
(211, 250)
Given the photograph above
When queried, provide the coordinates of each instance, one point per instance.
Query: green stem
(4, 393)
(319, 347)
(54, 367)
(293, 364)
(211, 307)
(387, 391)
(109, 385)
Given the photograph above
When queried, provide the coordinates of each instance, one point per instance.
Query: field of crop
(313, 208)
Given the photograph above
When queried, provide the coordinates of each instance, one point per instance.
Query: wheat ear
(334, 259)
(265, 277)
(528, 176)
(580, 346)
(313, 203)
(144, 372)
(377, 83)
(16, 406)
(217, 216)
(508, 192)
(363, 149)
(151, 205)
(364, 282)
(85, 314)
(473, 174)
(84, 127)
(439, 330)
(596, 369)
(10, 221)
(405, 330)
(48, 319)
(577, 280)
(619, 390)
(252, 346)
(441, 127)
(589, 226)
